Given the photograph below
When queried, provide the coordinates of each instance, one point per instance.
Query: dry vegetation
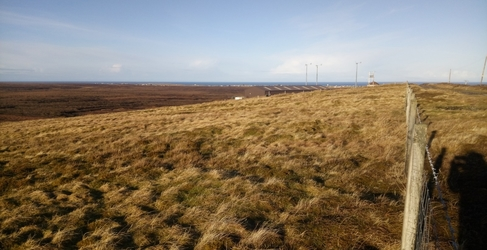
(27, 101)
(317, 170)
(457, 119)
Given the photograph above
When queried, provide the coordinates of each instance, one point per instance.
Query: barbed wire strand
(440, 193)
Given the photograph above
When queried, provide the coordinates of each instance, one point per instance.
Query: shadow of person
(468, 178)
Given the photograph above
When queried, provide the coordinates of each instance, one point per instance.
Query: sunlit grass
(457, 123)
(317, 170)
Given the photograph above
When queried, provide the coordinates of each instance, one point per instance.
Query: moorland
(315, 170)
(27, 101)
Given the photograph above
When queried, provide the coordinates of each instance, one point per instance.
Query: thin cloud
(201, 64)
(396, 10)
(116, 68)
(22, 20)
(296, 65)
(13, 70)
(15, 19)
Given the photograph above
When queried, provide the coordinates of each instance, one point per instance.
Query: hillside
(312, 170)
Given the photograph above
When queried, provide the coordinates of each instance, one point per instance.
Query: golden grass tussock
(312, 170)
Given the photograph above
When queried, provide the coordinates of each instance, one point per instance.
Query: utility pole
(449, 76)
(317, 74)
(307, 73)
(482, 78)
(356, 72)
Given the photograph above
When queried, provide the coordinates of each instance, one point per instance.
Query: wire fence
(418, 221)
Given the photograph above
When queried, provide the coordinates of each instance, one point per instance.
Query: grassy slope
(304, 171)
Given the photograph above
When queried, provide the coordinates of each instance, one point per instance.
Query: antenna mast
(482, 78)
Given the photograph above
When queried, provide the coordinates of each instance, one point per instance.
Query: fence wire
(425, 222)
(426, 213)
(422, 233)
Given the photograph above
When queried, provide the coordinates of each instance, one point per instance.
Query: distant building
(275, 90)
(371, 81)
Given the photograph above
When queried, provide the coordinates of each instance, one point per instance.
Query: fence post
(408, 102)
(414, 187)
(410, 121)
(408, 95)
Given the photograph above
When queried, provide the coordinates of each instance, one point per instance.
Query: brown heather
(316, 170)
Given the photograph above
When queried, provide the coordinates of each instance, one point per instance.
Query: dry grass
(457, 119)
(303, 171)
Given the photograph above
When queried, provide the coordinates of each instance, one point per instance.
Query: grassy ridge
(304, 171)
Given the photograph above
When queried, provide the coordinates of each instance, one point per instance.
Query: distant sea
(258, 83)
(331, 84)
(272, 83)
(211, 83)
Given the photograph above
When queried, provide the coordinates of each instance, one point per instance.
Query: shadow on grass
(468, 178)
(436, 167)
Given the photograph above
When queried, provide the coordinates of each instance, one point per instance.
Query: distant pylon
(483, 70)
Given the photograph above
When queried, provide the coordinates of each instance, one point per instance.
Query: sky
(243, 41)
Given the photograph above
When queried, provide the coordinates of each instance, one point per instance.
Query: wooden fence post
(414, 187)
(411, 120)
(408, 98)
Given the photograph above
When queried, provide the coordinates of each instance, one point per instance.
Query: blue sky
(242, 41)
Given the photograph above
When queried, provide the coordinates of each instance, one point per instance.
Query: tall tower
(371, 77)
